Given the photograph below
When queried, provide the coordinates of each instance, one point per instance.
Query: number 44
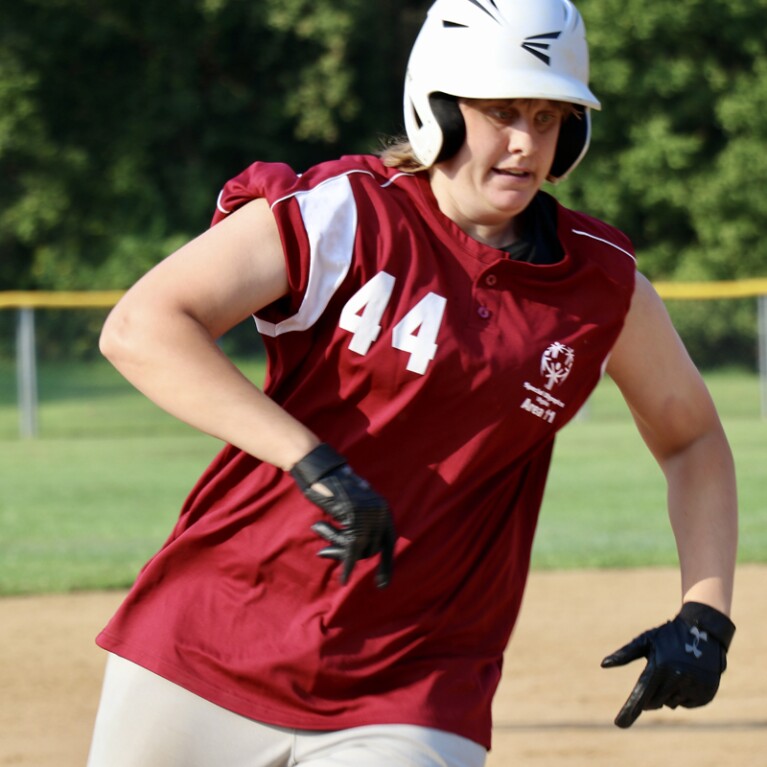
(415, 333)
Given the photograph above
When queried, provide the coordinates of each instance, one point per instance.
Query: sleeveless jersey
(442, 370)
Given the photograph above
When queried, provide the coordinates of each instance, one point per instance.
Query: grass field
(87, 502)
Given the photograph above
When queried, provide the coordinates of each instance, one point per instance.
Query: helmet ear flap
(574, 138)
(451, 123)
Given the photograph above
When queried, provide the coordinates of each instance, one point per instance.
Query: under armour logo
(698, 637)
(536, 45)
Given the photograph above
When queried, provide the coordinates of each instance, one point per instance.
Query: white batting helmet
(497, 49)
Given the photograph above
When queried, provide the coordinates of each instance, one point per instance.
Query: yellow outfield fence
(98, 299)
(25, 302)
(701, 291)
(65, 299)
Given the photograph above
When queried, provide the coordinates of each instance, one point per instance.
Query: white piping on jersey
(605, 362)
(330, 220)
(394, 178)
(334, 179)
(606, 242)
(226, 212)
(220, 206)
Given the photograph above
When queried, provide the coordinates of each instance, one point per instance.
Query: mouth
(519, 173)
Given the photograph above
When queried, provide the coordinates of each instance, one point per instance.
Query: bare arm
(162, 335)
(680, 425)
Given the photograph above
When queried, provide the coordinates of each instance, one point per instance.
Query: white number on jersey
(416, 333)
(363, 311)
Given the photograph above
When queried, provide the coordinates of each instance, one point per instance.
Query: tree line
(120, 121)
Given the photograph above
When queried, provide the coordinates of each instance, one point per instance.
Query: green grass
(86, 503)
(86, 513)
(605, 501)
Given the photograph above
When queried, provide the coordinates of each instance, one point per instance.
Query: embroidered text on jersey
(556, 363)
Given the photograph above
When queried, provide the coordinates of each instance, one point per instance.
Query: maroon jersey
(442, 370)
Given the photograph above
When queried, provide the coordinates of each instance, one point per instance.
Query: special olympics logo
(556, 364)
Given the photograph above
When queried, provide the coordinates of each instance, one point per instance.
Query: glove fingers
(676, 699)
(645, 688)
(383, 577)
(669, 690)
(332, 552)
(340, 554)
(351, 556)
(331, 534)
(635, 649)
(343, 549)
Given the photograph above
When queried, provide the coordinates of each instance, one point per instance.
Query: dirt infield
(555, 705)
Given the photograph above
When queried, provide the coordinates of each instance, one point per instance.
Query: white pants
(146, 721)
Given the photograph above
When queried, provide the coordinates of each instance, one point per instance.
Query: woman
(431, 320)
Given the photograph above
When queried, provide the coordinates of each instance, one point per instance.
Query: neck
(496, 230)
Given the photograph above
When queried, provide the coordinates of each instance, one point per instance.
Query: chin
(509, 208)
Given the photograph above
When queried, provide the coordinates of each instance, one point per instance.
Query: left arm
(679, 423)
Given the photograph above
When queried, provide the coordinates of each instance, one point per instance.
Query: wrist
(708, 619)
(287, 453)
(315, 464)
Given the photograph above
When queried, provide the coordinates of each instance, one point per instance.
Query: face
(507, 154)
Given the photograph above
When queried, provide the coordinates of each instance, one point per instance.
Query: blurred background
(120, 122)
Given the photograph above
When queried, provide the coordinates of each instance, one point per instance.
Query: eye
(547, 118)
(502, 112)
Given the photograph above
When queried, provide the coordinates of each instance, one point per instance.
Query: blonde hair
(398, 153)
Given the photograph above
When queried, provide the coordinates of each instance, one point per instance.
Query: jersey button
(491, 280)
(484, 312)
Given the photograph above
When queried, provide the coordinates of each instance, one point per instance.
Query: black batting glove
(365, 527)
(685, 660)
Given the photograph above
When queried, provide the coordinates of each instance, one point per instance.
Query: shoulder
(278, 181)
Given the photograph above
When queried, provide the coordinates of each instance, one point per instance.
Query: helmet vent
(483, 7)
(453, 24)
(537, 45)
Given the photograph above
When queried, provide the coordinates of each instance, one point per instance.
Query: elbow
(709, 455)
(116, 340)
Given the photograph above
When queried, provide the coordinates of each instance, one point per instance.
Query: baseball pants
(147, 721)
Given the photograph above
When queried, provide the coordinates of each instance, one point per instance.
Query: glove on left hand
(685, 660)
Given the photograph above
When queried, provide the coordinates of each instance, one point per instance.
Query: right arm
(162, 334)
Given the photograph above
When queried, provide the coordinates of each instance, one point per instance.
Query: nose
(521, 138)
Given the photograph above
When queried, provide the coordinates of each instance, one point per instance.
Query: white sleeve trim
(329, 214)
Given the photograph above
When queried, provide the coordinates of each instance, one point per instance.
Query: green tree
(679, 155)
(120, 121)
(675, 157)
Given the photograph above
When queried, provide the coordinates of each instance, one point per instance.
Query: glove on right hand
(685, 660)
(365, 522)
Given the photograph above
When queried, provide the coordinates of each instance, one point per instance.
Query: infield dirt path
(554, 709)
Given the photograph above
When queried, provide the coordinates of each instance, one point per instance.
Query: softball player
(344, 578)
